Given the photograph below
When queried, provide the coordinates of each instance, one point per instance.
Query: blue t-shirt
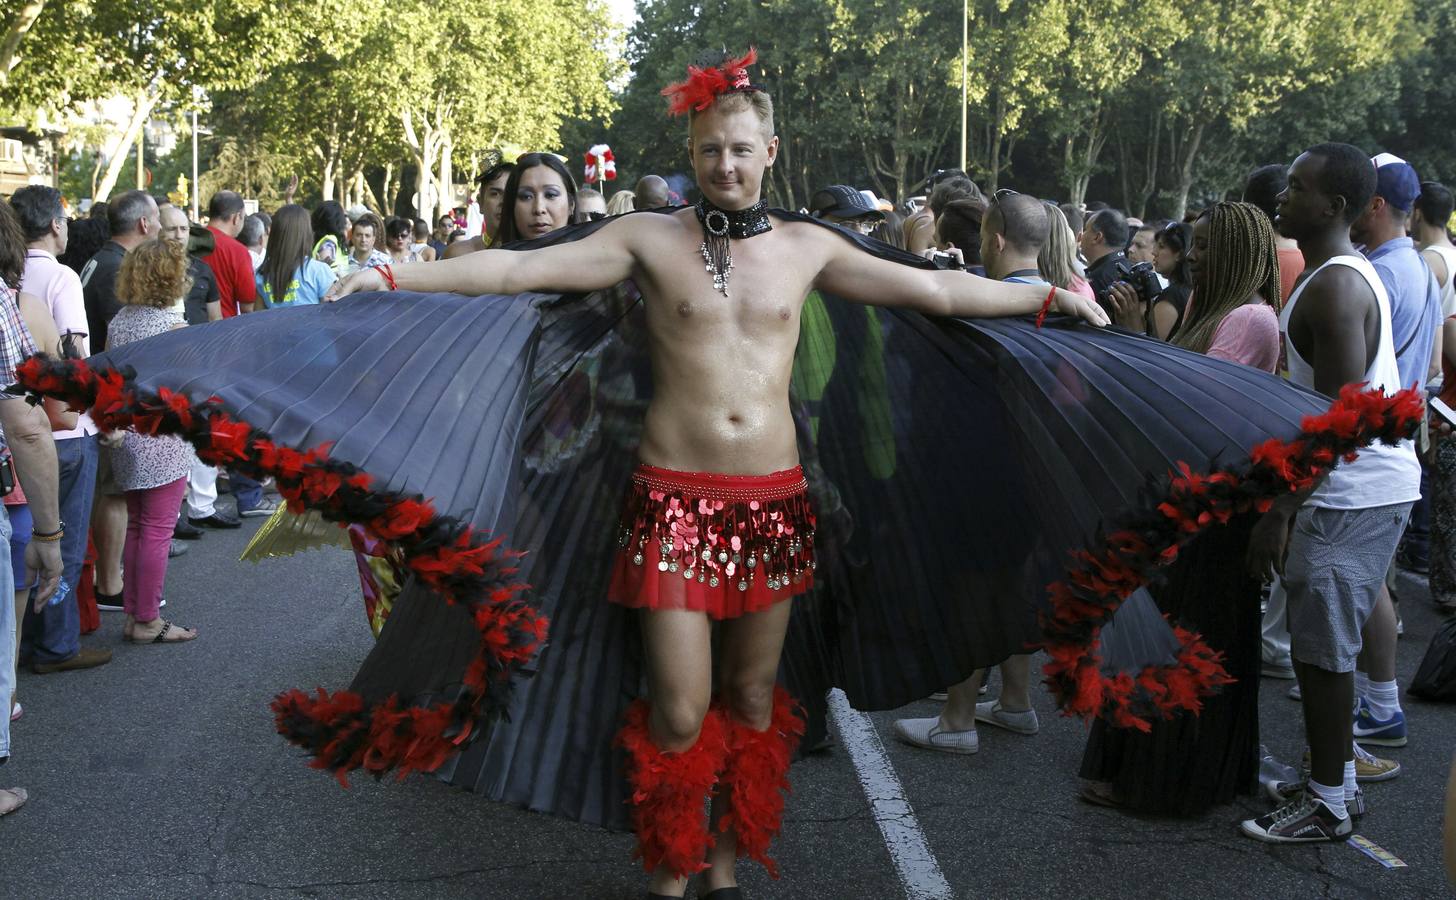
(310, 283)
(1415, 306)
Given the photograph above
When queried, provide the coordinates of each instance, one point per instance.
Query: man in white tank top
(1333, 544)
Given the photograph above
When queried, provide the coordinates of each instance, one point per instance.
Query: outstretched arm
(857, 275)
(597, 261)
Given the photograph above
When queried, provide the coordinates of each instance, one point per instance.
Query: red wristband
(1046, 305)
(388, 274)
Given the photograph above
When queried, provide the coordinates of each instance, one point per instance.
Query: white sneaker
(929, 734)
(1295, 693)
(991, 713)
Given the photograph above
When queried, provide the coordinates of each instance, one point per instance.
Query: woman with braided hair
(1235, 266)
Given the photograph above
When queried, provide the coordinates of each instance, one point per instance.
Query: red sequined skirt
(725, 545)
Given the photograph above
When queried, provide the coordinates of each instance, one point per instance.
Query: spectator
(1262, 189)
(492, 199)
(133, 218)
(1013, 236)
(652, 192)
(1058, 258)
(1236, 267)
(1170, 260)
(99, 210)
(621, 202)
(1102, 240)
(1334, 551)
(958, 230)
(1143, 244)
(152, 470)
(590, 205)
(232, 267)
(26, 434)
(891, 231)
(364, 254)
(53, 633)
(86, 238)
(254, 237)
(1076, 219)
(330, 227)
(540, 197)
(420, 246)
(398, 233)
(440, 238)
(202, 303)
(945, 187)
(290, 276)
(1433, 211)
(840, 204)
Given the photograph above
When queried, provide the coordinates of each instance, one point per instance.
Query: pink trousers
(151, 515)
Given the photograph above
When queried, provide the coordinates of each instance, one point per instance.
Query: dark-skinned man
(1333, 543)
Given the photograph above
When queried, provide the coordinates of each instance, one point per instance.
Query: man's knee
(751, 701)
(677, 720)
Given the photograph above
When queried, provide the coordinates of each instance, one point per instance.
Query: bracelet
(1046, 305)
(388, 274)
(48, 538)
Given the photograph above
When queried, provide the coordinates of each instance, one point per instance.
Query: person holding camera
(958, 236)
(1104, 235)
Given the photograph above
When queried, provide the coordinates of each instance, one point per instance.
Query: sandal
(20, 796)
(179, 635)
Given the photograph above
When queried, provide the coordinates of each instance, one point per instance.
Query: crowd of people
(1336, 269)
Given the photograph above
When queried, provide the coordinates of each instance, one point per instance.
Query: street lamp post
(965, 52)
(194, 164)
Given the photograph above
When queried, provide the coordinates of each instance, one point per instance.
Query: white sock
(1383, 698)
(1350, 785)
(1333, 797)
(1362, 686)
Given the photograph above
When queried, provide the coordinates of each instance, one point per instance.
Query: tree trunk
(446, 198)
(10, 47)
(145, 102)
(388, 204)
(1185, 169)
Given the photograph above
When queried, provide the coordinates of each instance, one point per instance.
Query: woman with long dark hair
(540, 198)
(1170, 258)
(290, 275)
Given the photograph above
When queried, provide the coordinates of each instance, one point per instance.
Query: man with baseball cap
(1415, 317)
(844, 205)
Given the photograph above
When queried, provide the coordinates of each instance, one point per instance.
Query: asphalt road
(159, 776)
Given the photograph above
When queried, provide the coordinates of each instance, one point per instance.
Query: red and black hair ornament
(706, 83)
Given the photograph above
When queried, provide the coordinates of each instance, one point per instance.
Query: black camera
(946, 261)
(1143, 278)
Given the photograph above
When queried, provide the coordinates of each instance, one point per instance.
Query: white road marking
(910, 852)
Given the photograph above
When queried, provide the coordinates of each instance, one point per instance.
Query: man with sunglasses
(846, 206)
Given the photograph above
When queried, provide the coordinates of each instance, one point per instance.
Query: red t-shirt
(232, 266)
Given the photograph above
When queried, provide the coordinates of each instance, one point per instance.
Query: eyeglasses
(1003, 193)
(594, 216)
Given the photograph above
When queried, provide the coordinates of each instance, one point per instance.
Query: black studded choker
(721, 224)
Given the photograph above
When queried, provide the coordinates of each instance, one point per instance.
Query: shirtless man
(492, 198)
(722, 343)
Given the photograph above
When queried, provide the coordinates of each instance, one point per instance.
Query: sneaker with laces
(1381, 732)
(1282, 792)
(929, 734)
(264, 508)
(1023, 722)
(1368, 766)
(1303, 820)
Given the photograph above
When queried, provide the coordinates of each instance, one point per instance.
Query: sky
(624, 10)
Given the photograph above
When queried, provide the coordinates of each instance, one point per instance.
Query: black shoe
(186, 531)
(216, 520)
(176, 549)
(724, 893)
(109, 602)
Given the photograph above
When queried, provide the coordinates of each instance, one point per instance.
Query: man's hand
(362, 280)
(1073, 304)
(292, 189)
(1268, 545)
(43, 558)
(1131, 313)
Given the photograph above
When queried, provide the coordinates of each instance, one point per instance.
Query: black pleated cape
(954, 465)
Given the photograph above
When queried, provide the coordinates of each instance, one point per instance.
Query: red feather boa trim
(757, 777)
(669, 791)
(703, 86)
(1150, 538)
(338, 729)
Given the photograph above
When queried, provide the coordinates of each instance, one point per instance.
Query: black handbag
(1436, 678)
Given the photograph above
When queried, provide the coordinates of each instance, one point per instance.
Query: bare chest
(765, 287)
